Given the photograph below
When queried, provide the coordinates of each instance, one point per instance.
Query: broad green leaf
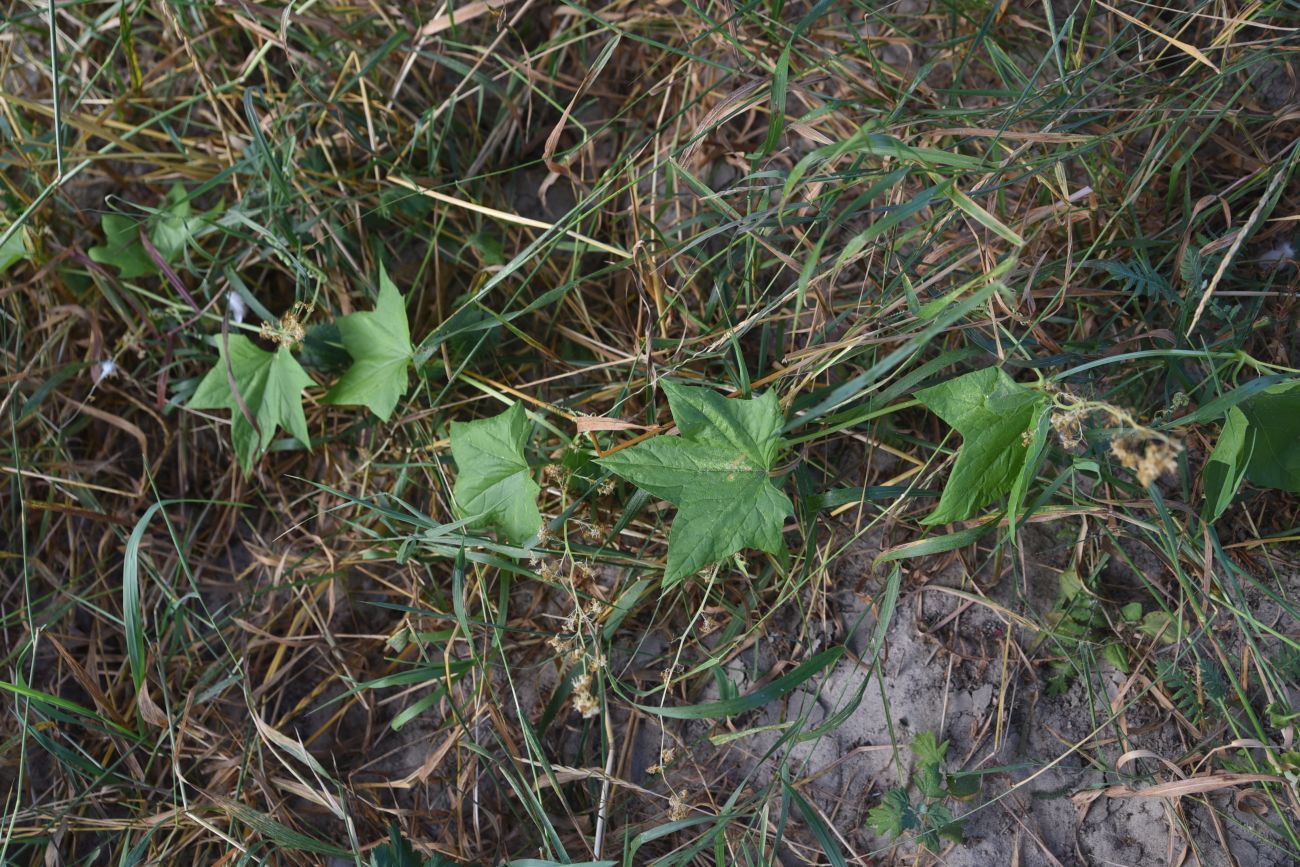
(122, 248)
(1227, 464)
(993, 414)
(494, 487)
(174, 224)
(716, 473)
(270, 384)
(380, 345)
(1274, 417)
(169, 229)
(964, 785)
(16, 249)
(1114, 653)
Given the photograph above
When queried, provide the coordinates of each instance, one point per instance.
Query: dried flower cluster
(666, 757)
(1148, 453)
(1159, 456)
(289, 331)
(583, 701)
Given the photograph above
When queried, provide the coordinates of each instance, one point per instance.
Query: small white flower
(237, 306)
(103, 370)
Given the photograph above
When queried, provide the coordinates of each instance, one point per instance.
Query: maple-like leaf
(174, 224)
(122, 248)
(270, 385)
(893, 816)
(494, 486)
(169, 229)
(716, 473)
(993, 414)
(379, 342)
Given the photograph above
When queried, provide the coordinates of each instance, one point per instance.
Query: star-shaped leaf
(495, 487)
(380, 345)
(169, 229)
(716, 473)
(270, 385)
(993, 414)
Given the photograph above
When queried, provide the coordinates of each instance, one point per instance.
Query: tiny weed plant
(922, 808)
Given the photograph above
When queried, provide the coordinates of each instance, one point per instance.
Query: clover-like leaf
(494, 486)
(993, 413)
(379, 342)
(270, 385)
(716, 473)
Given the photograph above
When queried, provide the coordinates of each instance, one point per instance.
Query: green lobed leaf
(928, 750)
(1227, 464)
(1274, 417)
(270, 384)
(893, 815)
(993, 413)
(379, 342)
(122, 248)
(495, 487)
(716, 473)
(939, 824)
(169, 229)
(174, 224)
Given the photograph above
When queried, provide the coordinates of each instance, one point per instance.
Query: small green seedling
(1076, 620)
(928, 816)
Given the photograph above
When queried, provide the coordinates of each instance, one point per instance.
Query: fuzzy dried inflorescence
(290, 330)
(1149, 453)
